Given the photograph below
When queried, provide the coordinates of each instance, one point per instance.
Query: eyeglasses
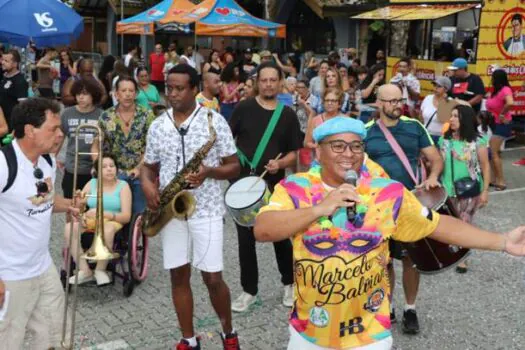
(41, 186)
(395, 101)
(331, 101)
(340, 146)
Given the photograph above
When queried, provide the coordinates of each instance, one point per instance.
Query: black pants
(248, 260)
(67, 183)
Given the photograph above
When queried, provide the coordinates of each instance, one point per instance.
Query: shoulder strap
(398, 151)
(12, 165)
(47, 157)
(430, 120)
(261, 147)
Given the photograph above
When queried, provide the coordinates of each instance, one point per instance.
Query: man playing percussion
(414, 141)
(173, 140)
(249, 124)
(342, 285)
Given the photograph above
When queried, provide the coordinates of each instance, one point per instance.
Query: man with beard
(415, 141)
(211, 83)
(249, 122)
(341, 299)
(173, 140)
(13, 85)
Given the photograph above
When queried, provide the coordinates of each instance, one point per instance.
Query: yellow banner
(413, 12)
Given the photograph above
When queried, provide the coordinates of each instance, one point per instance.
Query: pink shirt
(496, 103)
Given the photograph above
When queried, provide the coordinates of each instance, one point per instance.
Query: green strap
(261, 147)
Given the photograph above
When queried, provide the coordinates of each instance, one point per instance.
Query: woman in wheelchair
(117, 212)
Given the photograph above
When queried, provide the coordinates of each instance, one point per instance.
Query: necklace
(126, 122)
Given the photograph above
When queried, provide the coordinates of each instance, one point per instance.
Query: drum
(430, 256)
(245, 197)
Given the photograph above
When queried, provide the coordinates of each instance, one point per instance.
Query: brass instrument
(98, 250)
(175, 200)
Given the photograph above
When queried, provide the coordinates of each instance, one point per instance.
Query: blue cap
(339, 125)
(458, 63)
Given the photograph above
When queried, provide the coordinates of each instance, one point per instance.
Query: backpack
(12, 164)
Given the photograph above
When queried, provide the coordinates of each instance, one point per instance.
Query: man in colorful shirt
(341, 298)
(211, 83)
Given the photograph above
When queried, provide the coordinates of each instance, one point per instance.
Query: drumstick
(264, 173)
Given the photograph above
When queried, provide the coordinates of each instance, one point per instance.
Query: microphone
(351, 178)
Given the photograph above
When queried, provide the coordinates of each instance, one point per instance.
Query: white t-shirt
(164, 146)
(127, 59)
(25, 220)
(428, 110)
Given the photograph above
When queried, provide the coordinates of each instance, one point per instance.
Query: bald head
(211, 83)
(85, 68)
(389, 91)
(390, 101)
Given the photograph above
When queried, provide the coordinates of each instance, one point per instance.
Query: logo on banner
(44, 20)
(224, 11)
(155, 13)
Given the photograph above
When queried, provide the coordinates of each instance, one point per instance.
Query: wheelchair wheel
(128, 287)
(137, 251)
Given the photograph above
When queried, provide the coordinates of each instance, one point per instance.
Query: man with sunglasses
(341, 298)
(33, 296)
(415, 141)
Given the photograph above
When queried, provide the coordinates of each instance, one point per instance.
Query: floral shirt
(165, 146)
(464, 159)
(127, 149)
(341, 297)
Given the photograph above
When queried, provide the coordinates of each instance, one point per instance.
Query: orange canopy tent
(211, 17)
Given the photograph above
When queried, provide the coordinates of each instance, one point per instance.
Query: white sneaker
(288, 296)
(83, 277)
(243, 302)
(102, 277)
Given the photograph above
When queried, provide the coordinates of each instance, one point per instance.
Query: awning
(414, 12)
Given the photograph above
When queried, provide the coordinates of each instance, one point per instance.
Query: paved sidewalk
(484, 309)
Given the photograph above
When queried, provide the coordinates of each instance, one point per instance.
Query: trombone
(98, 250)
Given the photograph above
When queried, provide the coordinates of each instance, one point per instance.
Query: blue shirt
(412, 138)
(111, 201)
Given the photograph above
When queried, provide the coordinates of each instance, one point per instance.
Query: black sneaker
(393, 318)
(410, 322)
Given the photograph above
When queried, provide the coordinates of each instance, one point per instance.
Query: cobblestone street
(483, 309)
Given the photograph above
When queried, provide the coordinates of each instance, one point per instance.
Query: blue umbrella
(44, 22)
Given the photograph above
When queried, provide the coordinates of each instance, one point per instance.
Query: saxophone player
(176, 140)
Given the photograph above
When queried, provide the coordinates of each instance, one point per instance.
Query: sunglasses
(41, 186)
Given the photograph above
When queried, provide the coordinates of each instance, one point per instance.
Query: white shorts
(204, 234)
(297, 342)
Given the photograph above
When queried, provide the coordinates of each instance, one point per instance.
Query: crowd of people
(255, 113)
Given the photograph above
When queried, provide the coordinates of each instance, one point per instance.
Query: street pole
(122, 35)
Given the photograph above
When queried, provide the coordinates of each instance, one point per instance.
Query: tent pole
(122, 35)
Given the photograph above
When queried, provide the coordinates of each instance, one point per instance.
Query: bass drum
(430, 256)
(244, 198)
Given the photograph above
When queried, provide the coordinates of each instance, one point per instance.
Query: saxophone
(175, 200)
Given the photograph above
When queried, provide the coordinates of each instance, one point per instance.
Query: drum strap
(261, 147)
(398, 151)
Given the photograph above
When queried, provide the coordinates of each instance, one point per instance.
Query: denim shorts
(502, 130)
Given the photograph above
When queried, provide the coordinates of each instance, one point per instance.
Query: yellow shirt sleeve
(279, 200)
(414, 221)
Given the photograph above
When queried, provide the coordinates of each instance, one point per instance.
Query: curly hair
(33, 112)
(89, 86)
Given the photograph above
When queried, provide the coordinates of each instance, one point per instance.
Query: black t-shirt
(373, 95)
(467, 89)
(11, 89)
(248, 123)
